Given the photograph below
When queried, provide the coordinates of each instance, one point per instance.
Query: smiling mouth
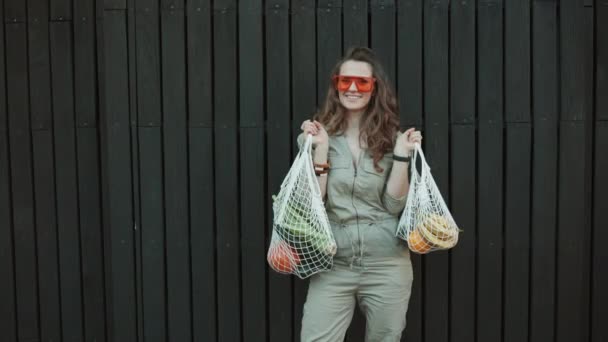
(352, 96)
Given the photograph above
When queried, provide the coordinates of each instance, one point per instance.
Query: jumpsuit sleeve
(393, 205)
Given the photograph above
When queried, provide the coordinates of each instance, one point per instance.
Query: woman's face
(352, 99)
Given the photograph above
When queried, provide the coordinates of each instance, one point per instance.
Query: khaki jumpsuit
(371, 267)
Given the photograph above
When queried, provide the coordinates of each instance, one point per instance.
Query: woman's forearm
(398, 182)
(320, 157)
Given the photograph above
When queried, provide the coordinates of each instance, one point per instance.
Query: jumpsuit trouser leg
(382, 288)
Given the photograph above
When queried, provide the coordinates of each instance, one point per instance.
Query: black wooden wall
(141, 140)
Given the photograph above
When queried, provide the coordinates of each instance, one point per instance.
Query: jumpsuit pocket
(344, 242)
(380, 239)
(373, 181)
(337, 161)
(384, 163)
(339, 181)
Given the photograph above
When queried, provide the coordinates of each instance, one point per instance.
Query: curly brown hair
(380, 122)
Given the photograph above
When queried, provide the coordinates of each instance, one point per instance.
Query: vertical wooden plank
(490, 52)
(572, 249)
(464, 171)
(463, 270)
(61, 10)
(355, 19)
(37, 11)
(303, 65)
(304, 93)
(252, 157)
(436, 124)
(490, 170)
(44, 172)
(599, 300)
(91, 234)
(198, 26)
(201, 178)
(589, 128)
(66, 180)
(574, 183)
(543, 237)
(545, 66)
(544, 166)
(94, 300)
(575, 58)
(8, 322)
(85, 81)
(39, 65)
(21, 176)
(463, 62)
(329, 44)
(46, 231)
(280, 308)
(175, 145)
(8, 315)
(103, 164)
(517, 231)
(601, 60)
(490, 240)
(253, 236)
(251, 64)
(3, 85)
(203, 237)
(410, 93)
(153, 234)
(517, 65)
(226, 170)
(383, 39)
(85, 102)
(409, 80)
(150, 151)
(14, 11)
(122, 324)
(147, 41)
(135, 165)
(517, 104)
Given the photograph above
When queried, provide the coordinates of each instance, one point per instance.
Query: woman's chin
(351, 107)
(354, 105)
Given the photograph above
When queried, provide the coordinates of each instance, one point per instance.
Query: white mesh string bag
(426, 223)
(302, 242)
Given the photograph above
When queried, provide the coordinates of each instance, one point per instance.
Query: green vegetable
(302, 229)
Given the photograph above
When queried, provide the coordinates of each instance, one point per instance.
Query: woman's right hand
(319, 134)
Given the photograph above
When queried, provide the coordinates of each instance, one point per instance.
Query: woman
(361, 160)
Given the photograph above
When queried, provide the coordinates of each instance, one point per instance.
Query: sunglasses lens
(364, 85)
(344, 83)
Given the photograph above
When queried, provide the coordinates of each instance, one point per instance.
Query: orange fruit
(283, 258)
(417, 243)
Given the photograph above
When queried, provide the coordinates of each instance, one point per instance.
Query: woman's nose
(352, 87)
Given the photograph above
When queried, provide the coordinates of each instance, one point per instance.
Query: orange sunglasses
(363, 84)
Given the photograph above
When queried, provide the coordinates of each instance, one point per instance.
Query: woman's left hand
(405, 143)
